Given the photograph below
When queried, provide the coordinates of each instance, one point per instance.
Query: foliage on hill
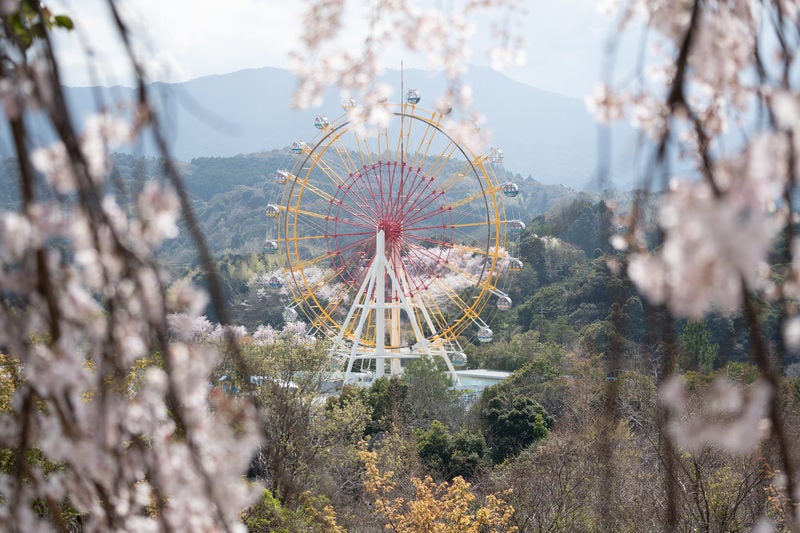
(230, 195)
(567, 291)
(573, 312)
(533, 468)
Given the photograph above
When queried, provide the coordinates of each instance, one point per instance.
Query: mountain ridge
(543, 134)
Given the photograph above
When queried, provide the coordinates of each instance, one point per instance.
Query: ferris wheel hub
(392, 229)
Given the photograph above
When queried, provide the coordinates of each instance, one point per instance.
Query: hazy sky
(186, 39)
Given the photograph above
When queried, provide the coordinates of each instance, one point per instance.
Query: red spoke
(353, 207)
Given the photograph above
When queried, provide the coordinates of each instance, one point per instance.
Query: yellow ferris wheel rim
(451, 209)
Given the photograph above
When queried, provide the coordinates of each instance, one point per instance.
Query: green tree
(268, 515)
(695, 342)
(742, 372)
(511, 423)
(516, 352)
(430, 395)
(558, 331)
(337, 432)
(538, 374)
(387, 400)
(290, 416)
(433, 446)
(10, 379)
(448, 455)
(599, 338)
(468, 454)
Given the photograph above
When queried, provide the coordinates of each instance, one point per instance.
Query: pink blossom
(730, 416)
(220, 332)
(606, 106)
(294, 332)
(786, 107)
(159, 208)
(703, 263)
(187, 328)
(102, 134)
(791, 334)
(183, 296)
(54, 164)
(16, 235)
(264, 335)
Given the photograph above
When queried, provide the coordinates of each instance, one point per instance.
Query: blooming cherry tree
(717, 99)
(111, 417)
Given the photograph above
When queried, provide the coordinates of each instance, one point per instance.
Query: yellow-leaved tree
(436, 507)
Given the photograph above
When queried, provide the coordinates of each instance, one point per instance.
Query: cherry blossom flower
(702, 262)
(265, 335)
(731, 417)
(84, 311)
(442, 36)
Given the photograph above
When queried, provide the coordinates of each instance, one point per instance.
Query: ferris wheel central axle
(392, 230)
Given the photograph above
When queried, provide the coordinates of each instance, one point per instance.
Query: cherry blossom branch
(206, 260)
(205, 257)
(83, 317)
(702, 261)
(768, 371)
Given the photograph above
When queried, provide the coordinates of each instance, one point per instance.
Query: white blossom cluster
(461, 268)
(437, 276)
(713, 68)
(108, 415)
(715, 247)
(317, 279)
(719, 221)
(731, 416)
(199, 330)
(439, 35)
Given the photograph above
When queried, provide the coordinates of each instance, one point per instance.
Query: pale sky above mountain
(186, 39)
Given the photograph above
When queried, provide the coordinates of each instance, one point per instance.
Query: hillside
(230, 195)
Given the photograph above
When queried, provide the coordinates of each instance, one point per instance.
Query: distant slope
(230, 194)
(545, 135)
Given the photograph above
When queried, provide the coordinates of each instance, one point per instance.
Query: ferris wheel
(392, 244)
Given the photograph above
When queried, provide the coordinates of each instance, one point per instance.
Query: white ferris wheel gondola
(298, 147)
(514, 264)
(504, 303)
(510, 189)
